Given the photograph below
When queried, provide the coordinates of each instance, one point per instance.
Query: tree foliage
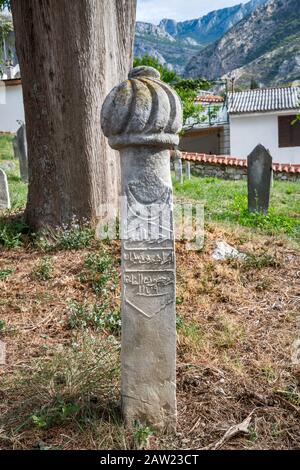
(296, 120)
(166, 75)
(6, 27)
(4, 4)
(187, 89)
(254, 84)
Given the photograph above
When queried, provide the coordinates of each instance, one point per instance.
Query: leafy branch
(5, 4)
(187, 89)
(297, 117)
(6, 27)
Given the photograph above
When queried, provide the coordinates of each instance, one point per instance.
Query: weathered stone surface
(4, 192)
(259, 179)
(2, 353)
(178, 167)
(8, 166)
(20, 152)
(15, 147)
(141, 117)
(188, 170)
(224, 251)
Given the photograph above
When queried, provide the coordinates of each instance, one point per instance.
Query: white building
(209, 135)
(265, 116)
(247, 118)
(11, 105)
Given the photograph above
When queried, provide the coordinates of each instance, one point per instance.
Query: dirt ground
(237, 324)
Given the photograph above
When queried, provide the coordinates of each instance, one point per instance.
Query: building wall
(246, 131)
(204, 141)
(11, 107)
(225, 140)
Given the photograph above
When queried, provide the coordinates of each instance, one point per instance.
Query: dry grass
(236, 325)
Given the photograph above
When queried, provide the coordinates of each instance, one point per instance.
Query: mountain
(264, 45)
(175, 43)
(148, 29)
(210, 27)
(276, 67)
(168, 50)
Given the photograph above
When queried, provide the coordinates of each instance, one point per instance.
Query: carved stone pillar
(141, 118)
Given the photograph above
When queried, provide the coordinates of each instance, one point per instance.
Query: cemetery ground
(236, 322)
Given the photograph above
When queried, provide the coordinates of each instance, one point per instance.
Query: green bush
(12, 231)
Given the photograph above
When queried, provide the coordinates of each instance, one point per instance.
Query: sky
(153, 11)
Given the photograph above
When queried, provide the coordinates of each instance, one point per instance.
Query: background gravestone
(142, 117)
(4, 192)
(188, 170)
(178, 166)
(20, 152)
(259, 179)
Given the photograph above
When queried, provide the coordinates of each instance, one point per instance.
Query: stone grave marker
(259, 179)
(141, 118)
(20, 152)
(2, 353)
(15, 147)
(4, 192)
(178, 166)
(188, 170)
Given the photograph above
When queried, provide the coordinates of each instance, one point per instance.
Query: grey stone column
(178, 167)
(20, 152)
(4, 192)
(141, 118)
(188, 170)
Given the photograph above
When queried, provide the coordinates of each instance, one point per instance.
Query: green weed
(141, 435)
(75, 238)
(97, 317)
(11, 231)
(99, 272)
(43, 270)
(5, 273)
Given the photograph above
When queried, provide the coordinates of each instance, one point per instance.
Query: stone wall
(220, 171)
(235, 172)
(279, 175)
(232, 172)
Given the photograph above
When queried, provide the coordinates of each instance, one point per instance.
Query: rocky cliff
(210, 27)
(175, 43)
(264, 46)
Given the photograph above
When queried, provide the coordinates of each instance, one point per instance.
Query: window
(289, 134)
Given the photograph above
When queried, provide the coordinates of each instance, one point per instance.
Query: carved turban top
(143, 110)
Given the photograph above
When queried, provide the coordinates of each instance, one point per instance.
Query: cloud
(154, 10)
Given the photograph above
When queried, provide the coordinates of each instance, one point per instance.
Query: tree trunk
(71, 54)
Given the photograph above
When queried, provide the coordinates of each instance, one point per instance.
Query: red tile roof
(232, 161)
(209, 99)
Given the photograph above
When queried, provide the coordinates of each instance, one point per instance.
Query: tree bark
(71, 54)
